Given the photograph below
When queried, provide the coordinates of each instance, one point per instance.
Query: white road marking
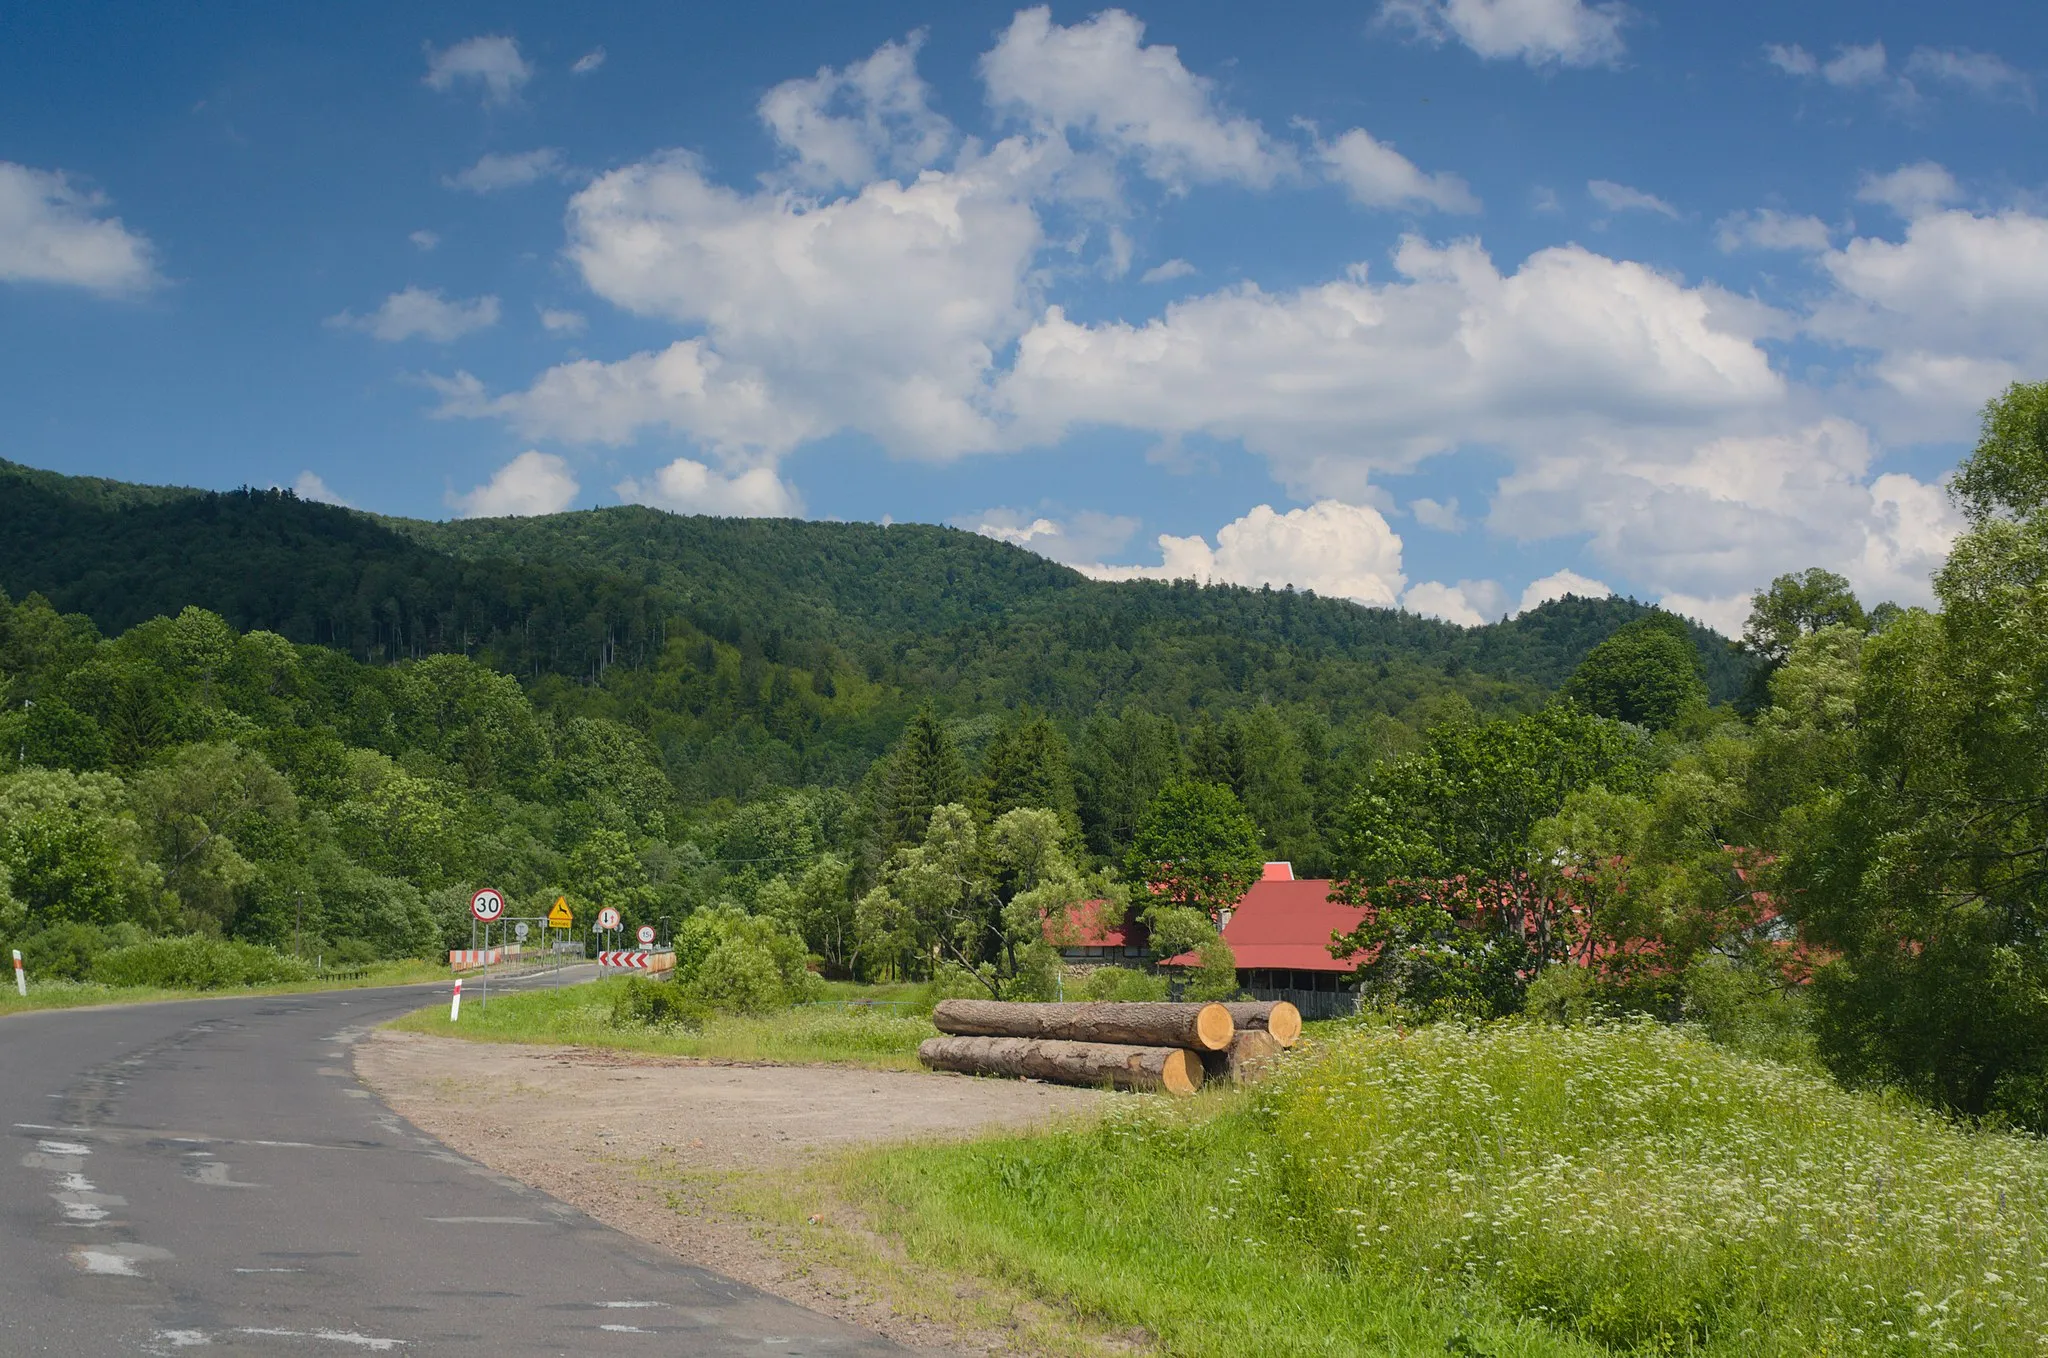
(625, 1329)
(184, 1339)
(361, 1341)
(62, 1148)
(115, 1261)
(270, 1270)
(214, 1174)
(629, 1305)
(487, 1221)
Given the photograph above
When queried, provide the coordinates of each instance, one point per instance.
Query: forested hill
(790, 650)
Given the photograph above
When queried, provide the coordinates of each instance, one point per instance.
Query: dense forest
(898, 751)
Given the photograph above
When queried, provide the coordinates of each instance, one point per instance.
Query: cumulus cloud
(562, 322)
(310, 486)
(1769, 229)
(588, 62)
(1865, 66)
(1621, 198)
(1557, 585)
(1469, 603)
(845, 126)
(1338, 380)
(491, 62)
(1378, 176)
(1167, 272)
(531, 483)
(1442, 516)
(1982, 73)
(1345, 551)
(425, 240)
(1099, 79)
(424, 314)
(52, 231)
(1537, 32)
(689, 487)
(1910, 190)
(494, 172)
(1081, 538)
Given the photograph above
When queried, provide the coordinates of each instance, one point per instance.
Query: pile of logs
(1173, 1047)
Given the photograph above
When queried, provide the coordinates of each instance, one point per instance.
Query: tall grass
(1512, 1189)
(582, 1015)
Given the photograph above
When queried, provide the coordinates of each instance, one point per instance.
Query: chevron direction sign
(632, 959)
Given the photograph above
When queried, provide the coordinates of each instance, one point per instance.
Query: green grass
(75, 994)
(1510, 1190)
(582, 1015)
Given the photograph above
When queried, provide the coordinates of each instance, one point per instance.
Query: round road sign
(607, 919)
(519, 931)
(646, 934)
(487, 905)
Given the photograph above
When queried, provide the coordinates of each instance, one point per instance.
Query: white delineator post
(455, 1004)
(20, 976)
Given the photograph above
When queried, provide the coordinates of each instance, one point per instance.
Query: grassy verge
(76, 994)
(1513, 1190)
(582, 1015)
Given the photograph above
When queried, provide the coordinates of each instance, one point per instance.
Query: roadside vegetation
(1513, 1188)
(632, 1014)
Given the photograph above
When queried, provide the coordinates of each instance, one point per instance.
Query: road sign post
(20, 977)
(487, 905)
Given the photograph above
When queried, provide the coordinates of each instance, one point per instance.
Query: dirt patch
(652, 1146)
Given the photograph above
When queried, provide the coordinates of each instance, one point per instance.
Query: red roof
(1285, 925)
(1084, 928)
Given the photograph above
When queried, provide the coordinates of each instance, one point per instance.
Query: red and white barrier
(468, 959)
(20, 976)
(635, 960)
(455, 1005)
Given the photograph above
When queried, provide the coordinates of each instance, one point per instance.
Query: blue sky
(1451, 304)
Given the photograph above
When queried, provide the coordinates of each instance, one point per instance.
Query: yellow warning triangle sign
(559, 917)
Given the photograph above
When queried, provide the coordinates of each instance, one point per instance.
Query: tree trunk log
(1172, 1069)
(1250, 1056)
(1277, 1017)
(1201, 1027)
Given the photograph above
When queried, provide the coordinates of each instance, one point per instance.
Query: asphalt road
(208, 1176)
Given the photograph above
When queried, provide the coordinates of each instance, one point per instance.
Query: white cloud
(1911, 190)
(1718, 517)
(1726, 614)
(494, 172)
(1442, 516)
(562, 322)
(310, 486)
(492, 62)
(588, 62)
(1344, 551)
(1853, 66)
(844, 127)
(1769, 229)
(1557, 585)
(1982, 73)
(1335, 381)
(1167, 272)
(531, 483)
(1621, 198)
(1097, 78)
(1378, 176)
(51, 231)
(1538, 32)
(689, 487)
(1792, 59)
(419, 312)
(425, 240)
(1469, 603)
(1080, 538)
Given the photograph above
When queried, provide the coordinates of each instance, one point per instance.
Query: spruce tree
(924, 772)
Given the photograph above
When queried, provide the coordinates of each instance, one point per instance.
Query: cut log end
(1182, 1074)
(1277, 1017)
(1214, 1028)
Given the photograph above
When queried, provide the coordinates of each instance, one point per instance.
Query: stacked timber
(1144, 1046)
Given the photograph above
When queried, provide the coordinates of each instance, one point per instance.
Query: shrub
(66, 952)
(642, 1002)
(742, 963)
(195, 963)
(1120, 983)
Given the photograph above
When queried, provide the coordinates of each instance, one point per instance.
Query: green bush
(195, 963)
(66, 952)
(1120, 983)
(740, 963)
(645, 1003)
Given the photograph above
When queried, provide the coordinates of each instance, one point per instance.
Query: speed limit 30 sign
(487, 905)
